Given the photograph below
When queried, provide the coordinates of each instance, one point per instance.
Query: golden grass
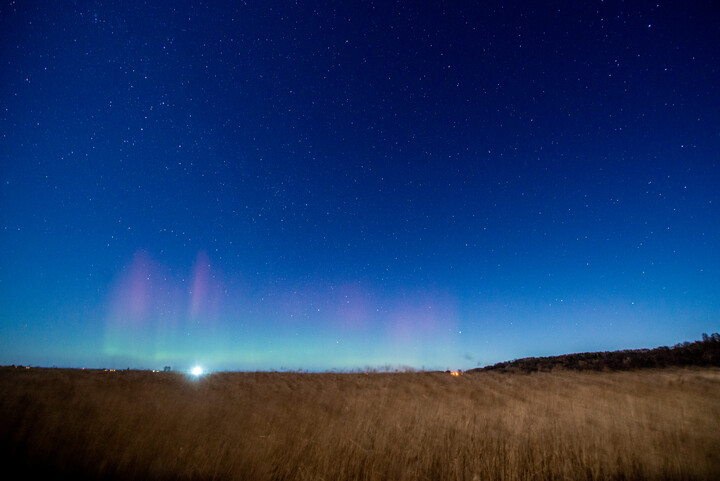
(653, 424)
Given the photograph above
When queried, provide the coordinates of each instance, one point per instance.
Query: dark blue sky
(339, 184)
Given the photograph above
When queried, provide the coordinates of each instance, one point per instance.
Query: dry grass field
(648, 424)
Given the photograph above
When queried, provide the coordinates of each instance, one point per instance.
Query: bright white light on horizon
(196, 371)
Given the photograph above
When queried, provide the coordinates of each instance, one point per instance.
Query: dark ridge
(705, 352)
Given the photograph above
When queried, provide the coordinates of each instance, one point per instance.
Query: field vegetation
(560, 425)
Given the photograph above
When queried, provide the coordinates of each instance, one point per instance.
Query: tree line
(705, 352)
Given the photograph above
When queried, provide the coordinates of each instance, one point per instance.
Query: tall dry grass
(654, 424)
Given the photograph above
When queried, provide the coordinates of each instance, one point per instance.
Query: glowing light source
(196, 371)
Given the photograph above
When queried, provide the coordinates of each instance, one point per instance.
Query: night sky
(334, 185)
